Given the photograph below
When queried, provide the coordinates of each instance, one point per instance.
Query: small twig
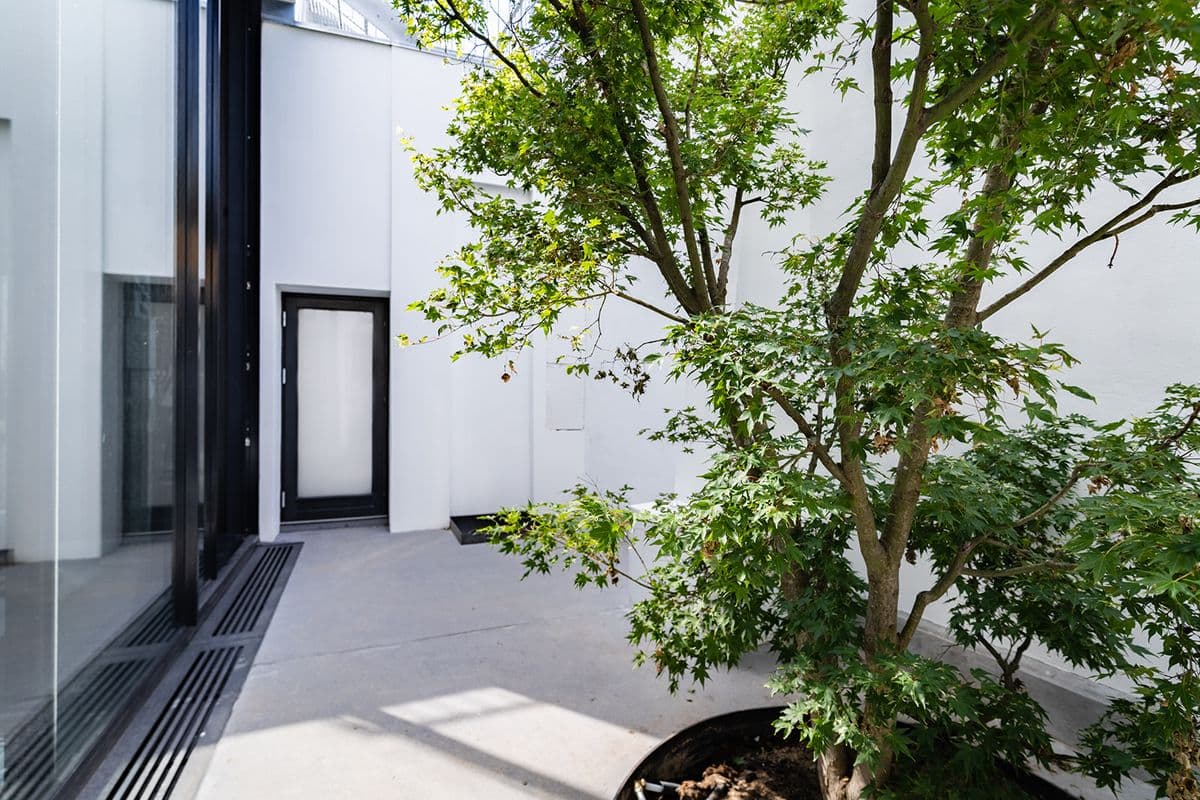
(814, 441)
(1063, 491)
(1023, 569)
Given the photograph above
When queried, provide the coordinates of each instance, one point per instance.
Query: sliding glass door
(99, 380)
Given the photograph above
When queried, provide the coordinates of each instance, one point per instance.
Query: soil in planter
(775, 772)
(786, 772)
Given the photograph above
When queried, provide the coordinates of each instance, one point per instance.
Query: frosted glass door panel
(333, 402)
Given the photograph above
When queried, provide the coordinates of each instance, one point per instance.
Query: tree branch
(1153, 211)
(487, 42)
(633, 143)
(638, 228)
(958, 565)
(964, 299)
(660, 311)
(687, 107)
(814, 440)
(700, 287)
(1187, 425)
(881, 69)
(1048, 506)
(710, 271)
(1114, 226)
(918, 120)
(858, 256)
(870, 220)
(1041, 20)
(943, 585)
(1023, 569)
(727, 245)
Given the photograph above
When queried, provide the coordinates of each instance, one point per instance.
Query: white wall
(341, 213)
(88, 191)
(27, 47)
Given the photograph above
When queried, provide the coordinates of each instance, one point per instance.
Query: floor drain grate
(247, 606)
(34, 759)
(164, 751)
(156, 626)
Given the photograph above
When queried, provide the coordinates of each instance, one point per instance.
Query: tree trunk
(833, 772)
(839, 777)
(1182, 785)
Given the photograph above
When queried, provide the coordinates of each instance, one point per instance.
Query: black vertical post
(185, 575)
(214, 411)
(231, 503)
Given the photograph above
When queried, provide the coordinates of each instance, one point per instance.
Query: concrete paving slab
(408, 666)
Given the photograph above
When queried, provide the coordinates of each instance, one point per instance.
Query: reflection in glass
(87, 359)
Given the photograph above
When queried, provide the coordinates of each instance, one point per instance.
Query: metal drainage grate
(165, 749)
(155, 768)
(35, 760)
(155, 626)
(247, 606)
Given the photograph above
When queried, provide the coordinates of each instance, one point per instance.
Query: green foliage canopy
(869, 414)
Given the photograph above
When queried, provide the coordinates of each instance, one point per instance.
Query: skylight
(341, 15)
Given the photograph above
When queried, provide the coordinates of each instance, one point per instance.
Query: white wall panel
(326, 186)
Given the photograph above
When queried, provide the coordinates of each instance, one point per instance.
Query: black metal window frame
(232, 279)
(304, 509)
(228, 450)
(185, 558)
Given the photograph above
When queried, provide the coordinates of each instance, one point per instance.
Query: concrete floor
(407, 666)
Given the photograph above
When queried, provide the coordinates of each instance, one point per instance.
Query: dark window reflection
(147, 385)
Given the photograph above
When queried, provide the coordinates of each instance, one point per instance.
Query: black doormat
(467, 528)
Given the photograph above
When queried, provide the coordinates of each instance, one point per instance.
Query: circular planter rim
(682, 734)
(1025, 777)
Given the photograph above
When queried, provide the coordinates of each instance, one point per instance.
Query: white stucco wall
(341, 214)
(89, 192)
(464, 442)
(27, 46)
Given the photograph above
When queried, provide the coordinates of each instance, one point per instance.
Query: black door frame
(294, 508)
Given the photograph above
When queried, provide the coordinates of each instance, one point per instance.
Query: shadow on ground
(407, 666)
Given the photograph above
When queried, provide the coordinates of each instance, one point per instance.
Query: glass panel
(87, 349)
(28, 185)
(333, 402)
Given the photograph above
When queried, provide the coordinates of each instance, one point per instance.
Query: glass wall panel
(87, 371)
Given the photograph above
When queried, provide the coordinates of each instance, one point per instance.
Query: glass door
(335, 407)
